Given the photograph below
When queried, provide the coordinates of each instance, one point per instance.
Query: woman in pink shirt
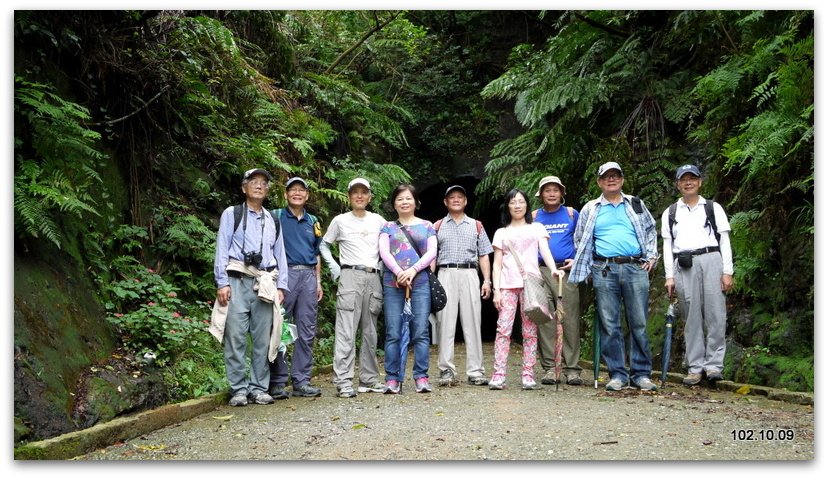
(518, 236)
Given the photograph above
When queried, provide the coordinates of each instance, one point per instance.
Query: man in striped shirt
(462, 247)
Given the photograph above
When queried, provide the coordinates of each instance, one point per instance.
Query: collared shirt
(229, 244)
(692, 232)
(643, 225)
(459, 242)
(301, 244)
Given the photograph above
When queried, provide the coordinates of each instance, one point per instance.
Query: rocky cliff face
(67, 373)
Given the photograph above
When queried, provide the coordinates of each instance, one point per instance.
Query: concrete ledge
(80, 442)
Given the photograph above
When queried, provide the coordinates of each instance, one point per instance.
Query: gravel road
(474, 423)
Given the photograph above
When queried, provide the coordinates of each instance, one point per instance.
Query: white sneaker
(530, 384)
(374, 387)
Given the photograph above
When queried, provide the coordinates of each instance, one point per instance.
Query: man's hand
(670, 284)
(485, 290)
(223, 295)
(727, 282)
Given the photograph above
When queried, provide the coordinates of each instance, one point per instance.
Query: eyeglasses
(517, 202)
(257, 184)
(297, 190)
(611, 176)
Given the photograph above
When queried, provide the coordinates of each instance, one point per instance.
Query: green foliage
(148, 313)
(55, 162)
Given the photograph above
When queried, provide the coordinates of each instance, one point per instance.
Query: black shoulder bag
(438, 294)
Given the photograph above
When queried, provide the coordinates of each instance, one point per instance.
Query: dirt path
(475, 423)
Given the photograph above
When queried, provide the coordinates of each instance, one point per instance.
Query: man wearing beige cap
(359, 292)
(463, 247)
(560, 223)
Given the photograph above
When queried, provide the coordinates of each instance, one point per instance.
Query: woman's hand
(405, 277)
(496, 299)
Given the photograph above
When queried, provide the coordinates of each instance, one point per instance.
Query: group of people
(384, 266)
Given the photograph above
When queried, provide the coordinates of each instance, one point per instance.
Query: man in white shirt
(698, 267)
(359, 294)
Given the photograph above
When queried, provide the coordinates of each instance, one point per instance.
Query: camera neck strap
(244, 231)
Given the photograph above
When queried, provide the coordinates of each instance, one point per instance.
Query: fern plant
(55, 161)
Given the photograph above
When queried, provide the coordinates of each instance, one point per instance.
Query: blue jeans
(393, 302)
(631, 284)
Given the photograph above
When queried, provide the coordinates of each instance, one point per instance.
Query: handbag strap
(410, 240)
(517, 258)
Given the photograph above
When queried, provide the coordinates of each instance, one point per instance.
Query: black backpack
(238, 210)
(708, 210)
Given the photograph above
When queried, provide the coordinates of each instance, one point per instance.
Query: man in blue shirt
(246, 255)
(302, 235)
(560, 222)
(616, 246)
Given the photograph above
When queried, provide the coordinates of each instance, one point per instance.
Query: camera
(252, 258)
(685, 260)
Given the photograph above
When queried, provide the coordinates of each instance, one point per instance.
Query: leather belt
(370, 270)
(557, 264)
(239, 275)
(464, 265)
(704, 250)
(299, 267)
(618, 259)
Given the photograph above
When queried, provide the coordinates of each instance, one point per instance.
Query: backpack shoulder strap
(238, 209)
(571, 212)
(277, 214)
(671, 219)
(479, 226)
(711, 218)
(636, 204)
(438, 224)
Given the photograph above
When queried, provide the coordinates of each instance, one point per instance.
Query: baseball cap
(687, 168)
(550, 180)
(251, 172)
(361, 181)
(608, 166)
(296, 179)
(455, 187)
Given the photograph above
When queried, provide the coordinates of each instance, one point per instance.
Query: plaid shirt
(460, 243)
(645, 231)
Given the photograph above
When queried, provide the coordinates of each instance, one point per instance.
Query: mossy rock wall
(59, 332)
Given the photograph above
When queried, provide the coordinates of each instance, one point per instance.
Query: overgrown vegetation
(132, 129)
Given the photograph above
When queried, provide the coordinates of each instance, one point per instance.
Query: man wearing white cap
(248, 252)
(463, 247)
(302, 234)
(560, 223)
(616, 246)
(359, 293)
(698, 265)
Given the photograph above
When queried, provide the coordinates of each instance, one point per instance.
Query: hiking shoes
(261, 398)
(644, 383)
(447, 378)
(692, 379)
(615, 385)
(549, 378)
(497, 383)
(714, 376)
(392, 387)
(574, 380)
(421, 385)
(376, 387)
(346, 392)
(306, 390)
(479, 380)
(529, 384)
(239, 400)
(278, 393)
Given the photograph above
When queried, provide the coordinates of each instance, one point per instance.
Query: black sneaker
(306, 390)
(278, 392)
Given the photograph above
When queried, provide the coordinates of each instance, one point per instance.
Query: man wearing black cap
(616, 244)
(698, 265)
(250, 260)
(462, 246)
(302, 237)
